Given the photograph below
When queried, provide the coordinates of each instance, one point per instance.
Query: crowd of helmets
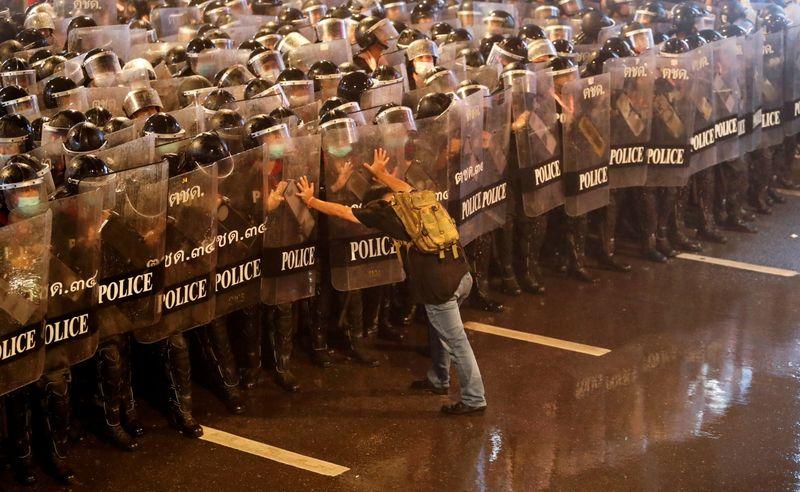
(92, 89)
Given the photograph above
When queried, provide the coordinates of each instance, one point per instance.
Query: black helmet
(710, 35)
(79, 22)
(66, 119)
(441, 30)
(84, 137)
(14, 65)
(11, 93)
(695, 41)
(776, 23)
(8, 29)
(408, 36)
(353, 85)
(256, 87)
(191, 83)
(84, 166)
(468, 87)
(283, 113)
(162, 124)
(291, 15)
(594, 66)
(619, 47)
(205, 149)
(364, 36)
(514, 48)
(501, 19)
(225, 119)
(560, 63)
(563, 46)
(48, 66)
(250, 45)
(217, 99)
(98, 115)
(386, 73)
(423, 13)
(433, 104)
(529, 32)
(54, 86)
(674, 46)
(472, 57)
(486, 43)
(43, 54)
(198, 45)
(254, 126)
(650, 13)
(116, 124)
(322, 69)
(291, 74)
(770, 9)
(175, 164)
(9, 46)
(732, 31)
(16, 126)
(37, 128)
(459, 35)
(592, 21)
(265, 7)
(31, 38)
(731, 11)
(232, 76)
(684, 18)
(330, 104)
(333, 115)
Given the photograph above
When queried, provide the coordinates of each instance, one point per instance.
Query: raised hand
(305, 190)
(276, 196)
(379, 160)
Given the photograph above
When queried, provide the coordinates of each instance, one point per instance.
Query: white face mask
(423, 67)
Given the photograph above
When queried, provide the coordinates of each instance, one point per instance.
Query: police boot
(252, 328)
(351, 322)
(708, 226)
(736, 183)
(178, 372)
(110, 385)
(372, 309)
(386, 330)
(281, 337)
(317, 323)
(608, 226)
(403, 309)
(216, 346)
(759, 182)
(18, 410)
(55, 406)
(532, 233)
(576, 245)
(479, 255)
(648, 216)
(672, 211)
(504, 245)
(130, 417)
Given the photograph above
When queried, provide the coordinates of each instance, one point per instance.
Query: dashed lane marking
(272, 453)
(780, 272)
(538, 339)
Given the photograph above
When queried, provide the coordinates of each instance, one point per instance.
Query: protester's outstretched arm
(378, 169)
(306, 193)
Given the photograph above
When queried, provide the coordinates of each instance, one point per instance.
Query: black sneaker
(461, 408)
(426, 385)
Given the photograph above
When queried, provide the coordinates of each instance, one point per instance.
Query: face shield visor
(267, 65)
(315, 13)
(107, 184)
(385, 33)
(570, 7)
(27, 198)
(103, 65)
(298, 92)
(354, 113)
(396, 11)
(541, 50)
(558, 31)
(441, 81)
(338, 136)
(10, 147)
(331, 30)
(270, 41)
(23, 78)
(71, 99)
(498, 57)
(544, 12)
(562, 77)
(641, 39)
(397, 115)
(27, 106)
(328, 85)
(276, 138)
(292, 41)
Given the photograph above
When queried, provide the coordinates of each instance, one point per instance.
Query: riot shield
(132, 238)
(384, 93)
(673, 122)
(704, 151)
(586, 143)
(190, 258)
(537, 138)
(631, 116)
(435, 155)
(481, 180)
(107, 97)
(23, 300)
(129, 155)
(71, 332)
(290, 270)
(755, 79)
(727, 97)
(116, 38)
(791, 124)
(772, 90)
(240, 229)
(360, 257)
(302, 57)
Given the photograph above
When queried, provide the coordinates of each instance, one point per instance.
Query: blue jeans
(449, 341)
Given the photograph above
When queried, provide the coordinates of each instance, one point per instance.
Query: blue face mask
(276, 151)
(342, 151)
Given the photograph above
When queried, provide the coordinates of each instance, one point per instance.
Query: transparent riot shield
(586, 136)
(107, 97)
(727, 97)
(104, 12)
(168, 21)
(537, 138)
(23, 300)
(755, 50)
(22, 78)
(791, 124)
(385, 93)
(71, 331)
(209, 62)
(360, 257)
(240, 229)
(631, 117)
(302, 57)
(290, 271)
(190, 255)
(703, 154)
(673, 122)
(129, 155)
(116, 38)
(772, 90)
(132, 246)
(434, 154)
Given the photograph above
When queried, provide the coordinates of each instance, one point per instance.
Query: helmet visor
(27, 198)
(331, 30)
(299, 92)
(23, 78)
(102, 64)
(267, 65)
(641, 39)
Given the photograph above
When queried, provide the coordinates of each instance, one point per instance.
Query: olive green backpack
(427, 222)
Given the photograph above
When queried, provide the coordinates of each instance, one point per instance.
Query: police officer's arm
(378, 169)
(306, 193)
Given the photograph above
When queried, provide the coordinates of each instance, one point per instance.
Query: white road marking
(738, 264)
(272, 453)
(784, 191)
(538, 339)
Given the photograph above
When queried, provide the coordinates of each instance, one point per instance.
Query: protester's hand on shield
(344, 174)
(379, 160)
(276, 196)
(487, 139)
(521, 122)
(305, 190)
